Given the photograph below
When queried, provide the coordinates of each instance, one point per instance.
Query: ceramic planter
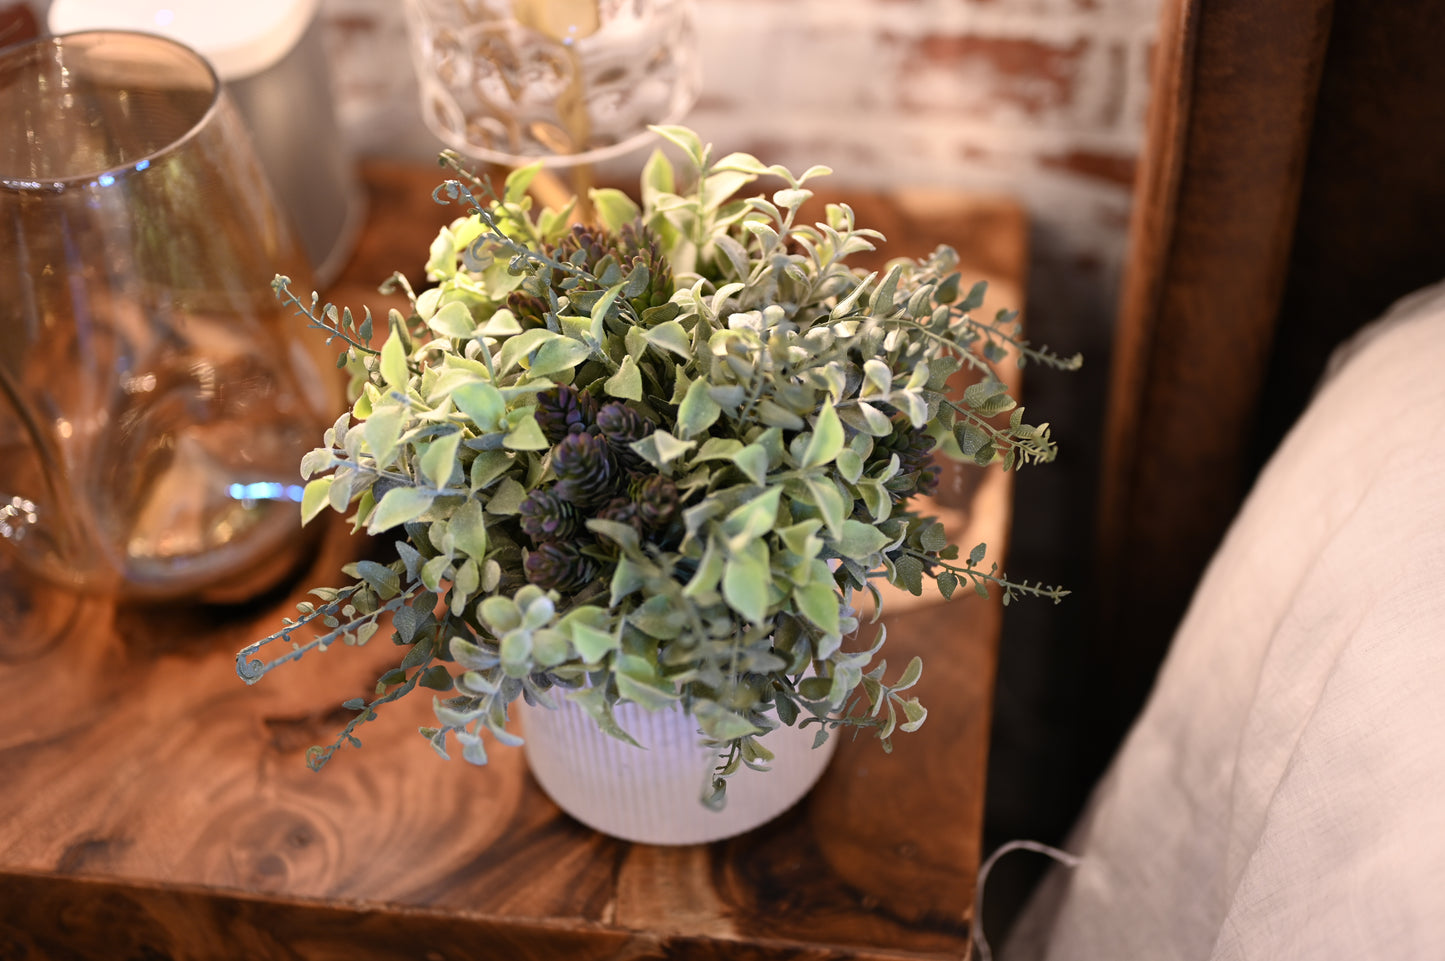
(651, 795)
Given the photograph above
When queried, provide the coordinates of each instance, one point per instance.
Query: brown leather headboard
(1292, 186)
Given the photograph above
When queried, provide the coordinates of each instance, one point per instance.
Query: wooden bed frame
(1292, 186)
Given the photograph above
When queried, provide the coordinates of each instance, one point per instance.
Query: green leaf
(972, 439)
(819, 603)
(593, 700)
(911, 674)
(453, 320)
(859, 540)
(976, 293)
(933, 537)
(482, 403)
(947, 582)
(440, 458)
(684, 138)
(506, 497)
(627, 382)
(752, 460)
(518, 181)
(746, 577)
(393, 363)
(559, 354)
(719, 723)
(592, 643)
(671, 336)
(381, 432)
(614, 208)
(850, 465)
(469, 530)
(397, 506)
(698, 411)
(660, 448)
(827, 438)
(754, 518)
(830, 503)
(846, 305)
(916, 714)
(315, 497)
(526, 435)
(637, 681)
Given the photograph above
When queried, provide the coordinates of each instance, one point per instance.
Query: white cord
(1063, 857)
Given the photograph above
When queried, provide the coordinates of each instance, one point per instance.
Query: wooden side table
(153, 807)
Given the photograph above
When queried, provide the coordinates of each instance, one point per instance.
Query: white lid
(240, 39)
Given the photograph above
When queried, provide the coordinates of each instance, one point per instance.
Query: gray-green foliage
(770, 414)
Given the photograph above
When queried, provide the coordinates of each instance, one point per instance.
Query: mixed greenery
(652, 459)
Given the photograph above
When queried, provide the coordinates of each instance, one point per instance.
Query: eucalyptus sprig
(653, 459)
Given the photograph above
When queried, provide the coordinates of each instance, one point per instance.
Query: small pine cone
(561, 566)
(928, 480)
(565, 411)
(657, 500)
(622, 426)
(625, 511)
(913, 446)
(530, 310)
(917, 473)
(547, 517)
(591, 242)
(639, 245)
(586, 472)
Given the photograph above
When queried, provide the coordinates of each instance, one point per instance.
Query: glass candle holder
(155, 401)
(560, 81)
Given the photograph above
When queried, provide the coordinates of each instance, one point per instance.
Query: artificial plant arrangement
(652, 459)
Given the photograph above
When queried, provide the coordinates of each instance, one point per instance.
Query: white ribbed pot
(652, 795)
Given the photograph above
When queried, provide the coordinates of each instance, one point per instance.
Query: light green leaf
(482, 403)
(393, 363)
(397, 506)
(440, 458)
(745, 582)
(627, 382)
(910, 675)
(506, 498)
(593, 700)
(859, 540)
(469, 530)
(827, 438)
(698, 411)
(753, 461)
(381, 431)
(559, 354)
(315, 498)
(453, 320)
(526, 435)
(518, 181)
(819, 603)
(592, 643)
(614, 208)
(671, 336)
(754, 518)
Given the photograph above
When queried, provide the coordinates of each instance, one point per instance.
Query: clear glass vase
(154, 398)
(561, 81)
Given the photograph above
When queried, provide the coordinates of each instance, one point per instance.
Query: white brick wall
(1041, 99)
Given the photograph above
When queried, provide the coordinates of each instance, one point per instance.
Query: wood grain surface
(154, 807)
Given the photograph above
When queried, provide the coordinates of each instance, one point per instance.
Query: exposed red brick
(1115, 168)
(1033, 75)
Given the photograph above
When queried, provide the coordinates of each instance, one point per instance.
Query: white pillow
(1282, 795)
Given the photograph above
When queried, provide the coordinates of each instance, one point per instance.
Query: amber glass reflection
(154, 402)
